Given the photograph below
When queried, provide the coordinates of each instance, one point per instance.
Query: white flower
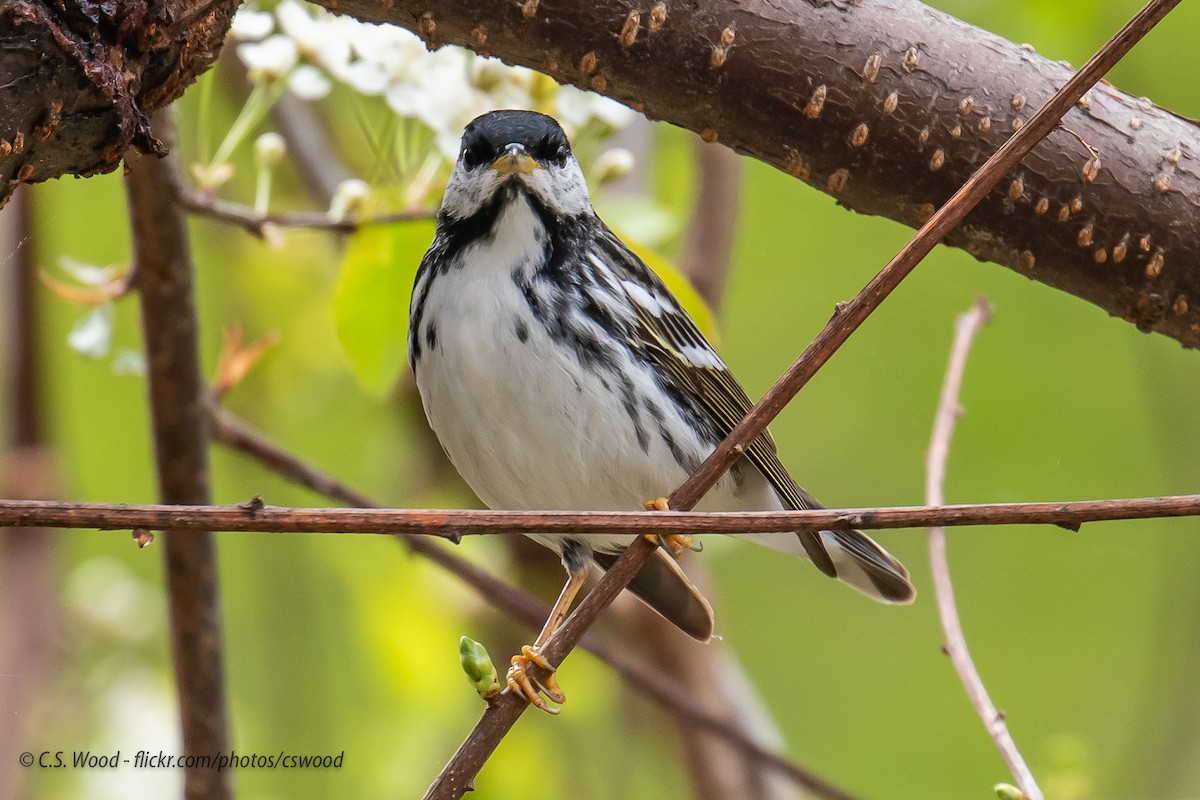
(129, 362)
(612, 165)
(575, 108)
(269, 149)
(301, 26)
(250, 25)
(271, 58)
(309, 83)
(349, 199)
(610, 112)
(366, 77)
(92, 335)
(319, 35)
(87, 274)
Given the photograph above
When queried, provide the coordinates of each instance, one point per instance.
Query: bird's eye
(554, 150)
(474, 154)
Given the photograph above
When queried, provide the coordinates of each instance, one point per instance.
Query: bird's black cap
(486, 137)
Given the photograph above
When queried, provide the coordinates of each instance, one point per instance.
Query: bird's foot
(522, 683)
(675, 543)
(657, 504)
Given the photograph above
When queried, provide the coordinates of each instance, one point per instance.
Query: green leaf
(370, 301)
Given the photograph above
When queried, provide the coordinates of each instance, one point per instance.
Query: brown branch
(887, 106)
(948, 412)
(849, 317)
(178, 408)
(522, 606)
(256, 223)
(453, 524)
(78, 87)
(457, 777)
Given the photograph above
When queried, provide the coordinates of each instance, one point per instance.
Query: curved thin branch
(256, 224)
(947, 415)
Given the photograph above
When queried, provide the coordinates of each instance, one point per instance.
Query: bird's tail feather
(866, 566)
(857, 560)
(663, 586)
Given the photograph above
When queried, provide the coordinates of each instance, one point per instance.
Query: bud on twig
(479, 667)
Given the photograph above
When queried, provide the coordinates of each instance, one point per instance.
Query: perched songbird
(560, 373)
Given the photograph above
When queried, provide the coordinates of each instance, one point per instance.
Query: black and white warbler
(560, 373)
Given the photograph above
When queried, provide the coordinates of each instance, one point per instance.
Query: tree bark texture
(887, 105)
(79, 79)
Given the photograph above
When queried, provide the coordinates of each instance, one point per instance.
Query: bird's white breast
(523, 421)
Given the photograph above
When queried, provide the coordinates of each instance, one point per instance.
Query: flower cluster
(311, 49)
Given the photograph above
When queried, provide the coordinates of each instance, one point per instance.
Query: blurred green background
(1087, 641)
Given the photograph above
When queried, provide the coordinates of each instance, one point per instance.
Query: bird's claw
(657, 504)
(522, 683)
(675, 543)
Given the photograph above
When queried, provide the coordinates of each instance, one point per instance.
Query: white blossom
(613, 164)
(92, 334)
(575, 108)
(309, 83)
(87, 274)
(366, 77)
(129, 362)
(273, 57)
(348, 200)
(320, 36)
(269, 149)
(251, 25)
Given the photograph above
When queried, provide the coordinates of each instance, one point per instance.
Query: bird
(559, 372)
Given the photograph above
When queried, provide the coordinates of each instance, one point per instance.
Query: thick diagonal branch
(885, 104)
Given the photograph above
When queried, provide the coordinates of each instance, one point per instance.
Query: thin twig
(849, 317)
(935, 481)
(522, 606)
(257, 224)
(453, 524)
(179, 413)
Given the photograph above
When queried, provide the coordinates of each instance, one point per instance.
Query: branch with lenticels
(888, 106)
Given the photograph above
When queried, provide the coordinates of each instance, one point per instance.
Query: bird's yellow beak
(515, 161)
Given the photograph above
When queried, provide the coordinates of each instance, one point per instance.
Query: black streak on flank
(431, 336)
(522, 332)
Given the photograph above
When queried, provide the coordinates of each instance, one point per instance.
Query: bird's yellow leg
(518, 678)
(675, 543)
